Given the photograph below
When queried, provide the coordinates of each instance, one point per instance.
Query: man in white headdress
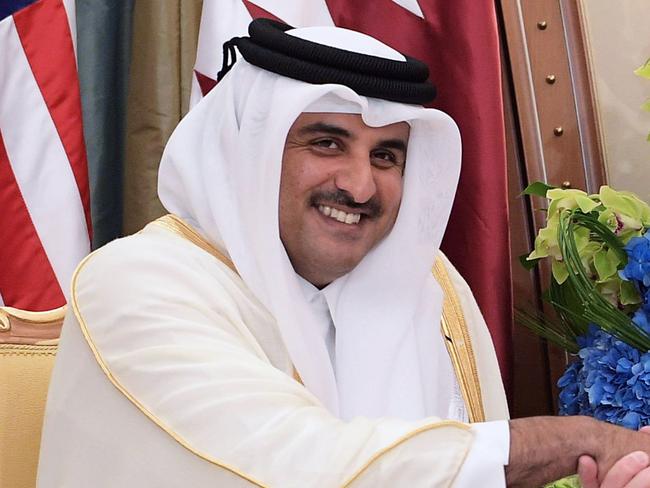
(283, 327)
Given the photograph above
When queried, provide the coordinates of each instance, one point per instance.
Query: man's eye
(326, 144)
(385, 155)
(385, 159)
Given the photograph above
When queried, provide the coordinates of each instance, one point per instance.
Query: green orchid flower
(546, 241)
(569, 200)
(644, 72)
(584, 239)
(546, 245)
(624, 213)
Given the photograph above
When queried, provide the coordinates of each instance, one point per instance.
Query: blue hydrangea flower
(638, 265)
(641, 318)
(572, 394)
(610, 381)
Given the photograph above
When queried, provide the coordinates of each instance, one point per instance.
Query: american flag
(459, 42)
(45, 223)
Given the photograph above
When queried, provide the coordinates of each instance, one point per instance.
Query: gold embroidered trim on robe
(177, 226)
(459, 344)
(453, 325)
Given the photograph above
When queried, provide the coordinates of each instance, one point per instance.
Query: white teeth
(340, 215)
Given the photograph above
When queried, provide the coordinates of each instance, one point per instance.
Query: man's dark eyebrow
(398, 144)
(334, 130)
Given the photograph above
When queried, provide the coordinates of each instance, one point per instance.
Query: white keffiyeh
(221, 172)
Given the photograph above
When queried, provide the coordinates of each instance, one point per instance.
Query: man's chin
(334, 267)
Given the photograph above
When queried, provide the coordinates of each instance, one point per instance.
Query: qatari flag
(44, 195)
(459, 42)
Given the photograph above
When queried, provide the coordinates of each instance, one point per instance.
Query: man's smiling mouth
(340, 215)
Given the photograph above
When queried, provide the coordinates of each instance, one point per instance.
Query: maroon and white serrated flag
(45, 227)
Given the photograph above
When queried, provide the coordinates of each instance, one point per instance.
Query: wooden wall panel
(552, 137)
(531, 386)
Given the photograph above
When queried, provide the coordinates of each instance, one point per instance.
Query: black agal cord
(270, 48)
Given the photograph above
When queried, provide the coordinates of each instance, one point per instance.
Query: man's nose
(356, 177)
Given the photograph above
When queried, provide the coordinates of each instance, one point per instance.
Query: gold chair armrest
(25, 327)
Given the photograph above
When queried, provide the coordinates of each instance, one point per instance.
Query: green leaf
(555, 332)
(643, 71)
(569, 307)
(537, 189)
(570, 482)
(528, 264)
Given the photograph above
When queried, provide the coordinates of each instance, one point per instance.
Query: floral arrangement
(599, 251)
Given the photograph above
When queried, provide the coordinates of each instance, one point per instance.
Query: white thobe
(171, 373)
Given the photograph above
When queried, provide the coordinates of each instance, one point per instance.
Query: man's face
(340, 191)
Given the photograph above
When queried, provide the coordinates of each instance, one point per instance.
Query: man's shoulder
(151, 261)
(134, 254)
(159, 279)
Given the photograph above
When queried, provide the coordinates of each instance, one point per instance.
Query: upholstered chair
(28, 344)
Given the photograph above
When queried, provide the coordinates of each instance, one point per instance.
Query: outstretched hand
(543, 449)
(631, 471)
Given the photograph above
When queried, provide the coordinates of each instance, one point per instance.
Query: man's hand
(543, 449)
(631, 471)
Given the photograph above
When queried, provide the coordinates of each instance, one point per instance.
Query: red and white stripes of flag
(44, 192)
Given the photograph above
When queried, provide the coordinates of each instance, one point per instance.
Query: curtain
(162, 57)
(103, 47)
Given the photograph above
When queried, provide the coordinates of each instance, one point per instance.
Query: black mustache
(371, 208)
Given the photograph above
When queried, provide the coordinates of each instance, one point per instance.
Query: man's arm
(543, 449)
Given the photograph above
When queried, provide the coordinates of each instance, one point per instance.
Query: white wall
(618, 34)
